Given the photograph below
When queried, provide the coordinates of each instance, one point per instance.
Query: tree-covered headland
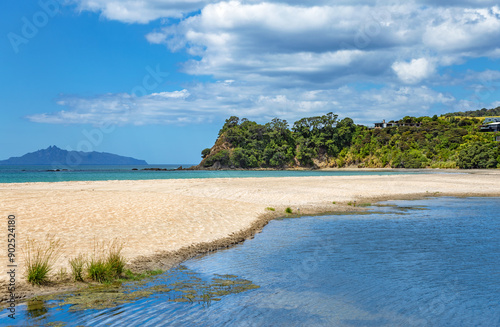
(450, 141)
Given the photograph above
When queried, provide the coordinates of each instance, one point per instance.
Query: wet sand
(166, 221)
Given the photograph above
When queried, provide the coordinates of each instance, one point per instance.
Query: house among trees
(398, 123)
(493, 127)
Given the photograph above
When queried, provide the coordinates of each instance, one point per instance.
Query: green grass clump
(334, 202)
(288, 210)
(40, 258)
(270, 209)
(77, 264)
(104, 266)
(115, 260)
(98, 270)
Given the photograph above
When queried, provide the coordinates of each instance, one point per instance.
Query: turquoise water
(433, 262)
(21, 174)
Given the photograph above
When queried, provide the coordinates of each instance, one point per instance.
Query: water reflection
(36, 308)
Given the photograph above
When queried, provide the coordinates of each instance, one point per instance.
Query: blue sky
(156, 79)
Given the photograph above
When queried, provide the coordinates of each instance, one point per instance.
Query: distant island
(456, 140)
(58, 157)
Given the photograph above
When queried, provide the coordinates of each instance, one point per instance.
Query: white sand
(158, 215)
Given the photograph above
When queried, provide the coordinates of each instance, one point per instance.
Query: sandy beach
(156, 216)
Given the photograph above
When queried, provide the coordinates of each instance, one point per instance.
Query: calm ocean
(22, 174)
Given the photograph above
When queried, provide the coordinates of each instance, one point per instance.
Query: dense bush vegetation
(324, 141)
(478, 113)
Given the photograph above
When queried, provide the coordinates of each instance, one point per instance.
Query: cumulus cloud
(282, 42)
(467, 30)
(273, 40)
(415, 71)
(289, 58)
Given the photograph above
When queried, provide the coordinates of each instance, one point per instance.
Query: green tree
(205, 153)
(478, 155)
(239, 158)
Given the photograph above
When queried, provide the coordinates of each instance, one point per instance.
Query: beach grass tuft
(270, 209)
(288, 210)
(115, 259)
(97, 268)
(106, 265)
(40, 258)
(62, 274)
(77, 264)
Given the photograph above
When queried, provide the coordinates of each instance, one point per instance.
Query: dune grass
(98, 271)
(40, 257)
(115, 260)
(77, 264)
(106, 263)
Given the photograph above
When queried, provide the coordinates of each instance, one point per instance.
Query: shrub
(40, 259)
(288, 210)
(444, 164)
(222, 157)
(413, 159)
(478, 155)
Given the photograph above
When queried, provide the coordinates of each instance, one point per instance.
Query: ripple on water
(437, 264)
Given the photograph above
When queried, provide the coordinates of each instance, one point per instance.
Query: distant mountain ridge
(56, 156)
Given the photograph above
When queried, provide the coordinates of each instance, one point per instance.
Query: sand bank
(154, 217)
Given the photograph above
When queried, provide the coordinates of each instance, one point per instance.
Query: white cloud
(330, 43)
(467, 30)
(415, 71)
(291, 58)
(140, 11)
(206, 102)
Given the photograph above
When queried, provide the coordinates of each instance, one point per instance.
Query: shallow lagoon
(433, 262)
